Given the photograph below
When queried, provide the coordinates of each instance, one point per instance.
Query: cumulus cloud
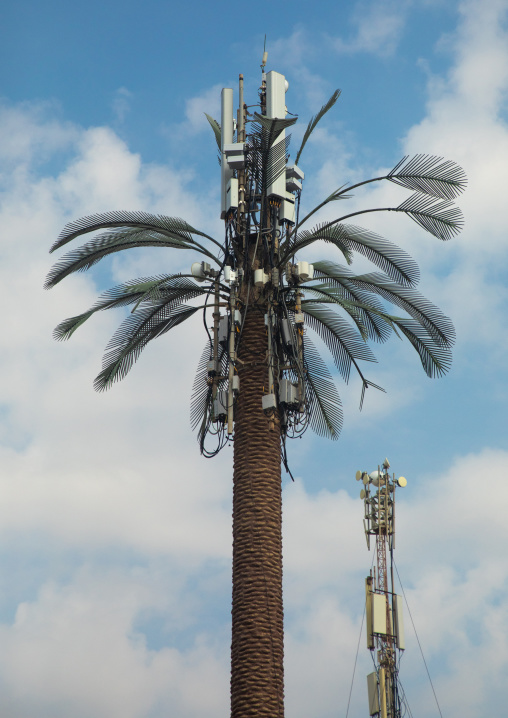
(121, 103)
(378, 26)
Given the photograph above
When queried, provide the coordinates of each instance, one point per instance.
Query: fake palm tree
(260, 379)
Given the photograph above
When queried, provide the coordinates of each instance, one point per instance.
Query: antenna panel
(276, 108)
(399, 624)
(380, 614)
(226, 139)
(372, 687)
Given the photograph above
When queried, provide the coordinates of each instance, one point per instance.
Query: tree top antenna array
(260, 379)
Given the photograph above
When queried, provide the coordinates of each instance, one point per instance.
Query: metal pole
(382, 690)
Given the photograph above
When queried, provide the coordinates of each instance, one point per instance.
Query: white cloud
(379, 26)
(195, 108)
(121, 104)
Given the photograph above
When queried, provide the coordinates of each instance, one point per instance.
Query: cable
(358, 646)
(419, 644)
(356, 659)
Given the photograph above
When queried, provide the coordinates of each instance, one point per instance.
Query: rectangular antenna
(276, 108)
(226, 139)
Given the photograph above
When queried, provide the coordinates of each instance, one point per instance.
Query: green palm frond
(338, 278)
(314, 120)
(216, 130)
(127, 343)
(120, 296)
(333, 235)
(201, 391)
(431, 175)
(392, 260)
(441, 218)
(172, 227)
(116, 240)
(323, 398)
(368, 315)
(345, 344)
(151, 319)
(416, 305)
(436, 359)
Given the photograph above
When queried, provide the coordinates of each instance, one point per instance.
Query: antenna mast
(385, 628)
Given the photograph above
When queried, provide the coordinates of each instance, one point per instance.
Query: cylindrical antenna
(265, 57)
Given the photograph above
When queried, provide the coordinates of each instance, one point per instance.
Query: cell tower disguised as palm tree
(260, 379)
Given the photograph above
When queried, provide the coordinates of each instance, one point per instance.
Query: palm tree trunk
(257, 649)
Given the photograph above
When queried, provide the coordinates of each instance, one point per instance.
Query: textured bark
(257, 650)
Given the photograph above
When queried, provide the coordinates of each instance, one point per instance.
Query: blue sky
(115, 534)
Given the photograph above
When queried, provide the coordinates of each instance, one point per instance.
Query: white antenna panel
(226, 139)
(276, 108)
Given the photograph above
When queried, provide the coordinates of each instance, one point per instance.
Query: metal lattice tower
(385, 630)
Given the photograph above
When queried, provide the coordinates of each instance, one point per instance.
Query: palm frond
(216, 130)
(276, 159)
(440, 218)
(431, 175)
(129, 341)
(368, 315)
(201, 389)
(173, 227)
(323, 399)
(416, 305)
(392, 260)
(338, 277)
(271, 128)
(436, 359)
(334, 235)
(120, 296)
(84, 257)
(346, 346)
(314, 120)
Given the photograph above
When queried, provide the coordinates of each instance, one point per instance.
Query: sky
(115, 534)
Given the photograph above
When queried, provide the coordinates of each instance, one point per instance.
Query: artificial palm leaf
(345, 345)
(332, 234)
(271, 128)
(276, 160)
(172, 227)
(431, 175)
(129, 341)
(120, 296)
(216, 130)
(365, 310)
(324, 401)
(416, 305)
(314, 120)
(436, 359)
(397, 264)
(201, 389)
(440, 218)
(84, 257)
